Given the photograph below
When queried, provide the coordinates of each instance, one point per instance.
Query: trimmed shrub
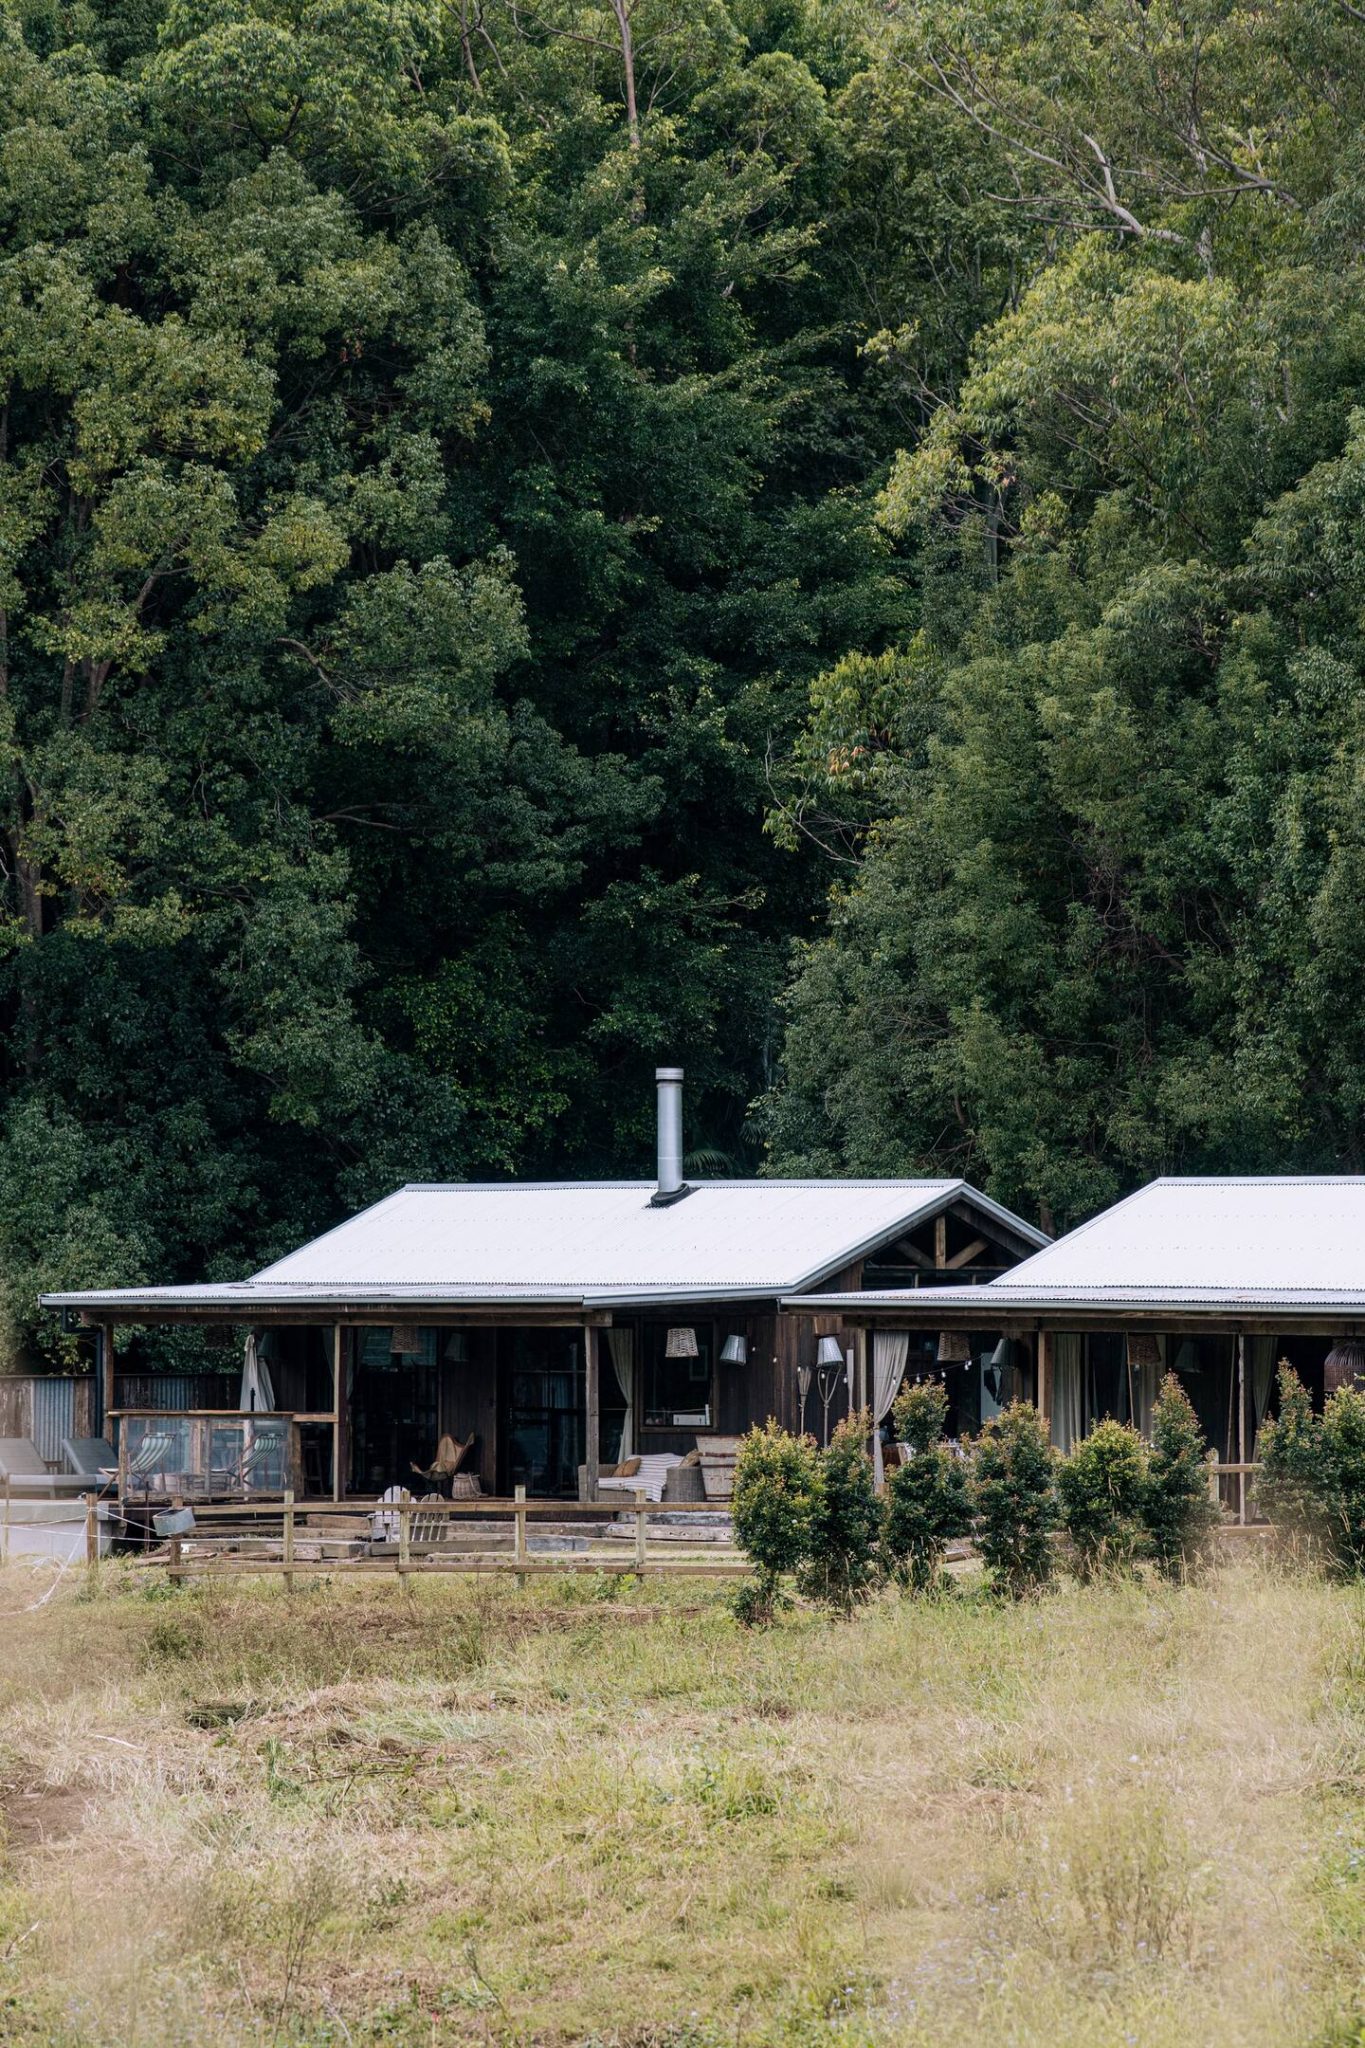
(927, 1501)
(842, 1565)
(1014, 1496)
(775, 1509)
(1290, 1487)
(918, 1414)
(1342, 1438)
(1099, 1493)
(1177, 1513)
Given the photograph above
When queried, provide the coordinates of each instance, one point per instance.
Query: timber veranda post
(106, 1332)
(338, 1387)
(1242, 1427)
(1045, 1379)
(593, 1402)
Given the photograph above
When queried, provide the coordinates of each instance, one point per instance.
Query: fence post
(4, 1527)
(519, 1532)
(641, 1502)
(1211, 1460)
(173, 1568)
(289, 1539)
(92, 1530)
(404, 1543)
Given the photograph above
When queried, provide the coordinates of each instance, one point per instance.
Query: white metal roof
(592, 1243)
(1273, 1243)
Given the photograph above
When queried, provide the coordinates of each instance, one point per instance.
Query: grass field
(473, 1813)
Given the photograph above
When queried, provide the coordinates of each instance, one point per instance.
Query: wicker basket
(464, 1486)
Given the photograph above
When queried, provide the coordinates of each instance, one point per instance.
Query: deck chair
(23, 1470)
(148, 1462)
(90, 1457)
(252, 1466)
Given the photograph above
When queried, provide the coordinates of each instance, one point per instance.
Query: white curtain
(890, 1350)
(1068, 1389)
(1146, 1383)
(1260, 1357)
(621, 1346)
(258, 1390)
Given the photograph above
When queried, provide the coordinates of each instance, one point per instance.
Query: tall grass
(1121, 1814)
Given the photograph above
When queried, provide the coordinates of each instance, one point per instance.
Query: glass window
(677, 1391)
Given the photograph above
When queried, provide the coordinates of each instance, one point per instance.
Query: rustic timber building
(1215, 1280)
(549, 1330)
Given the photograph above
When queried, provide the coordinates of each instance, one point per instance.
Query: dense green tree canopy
(1102, 808)
(435, 461)
(511, 519)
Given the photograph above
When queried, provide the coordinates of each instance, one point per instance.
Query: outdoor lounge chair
(90, 1457)
(23, 1471)
(648, 1479)
(149, 1462)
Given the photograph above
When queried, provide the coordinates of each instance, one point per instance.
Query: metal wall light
(735, 1351)
(829, 1370)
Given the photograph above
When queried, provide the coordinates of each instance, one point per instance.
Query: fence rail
(413, 1534)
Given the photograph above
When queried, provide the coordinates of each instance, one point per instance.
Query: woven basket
(464, 1486)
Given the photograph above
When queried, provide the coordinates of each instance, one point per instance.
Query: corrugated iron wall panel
(175, 1391)
(59, 1407)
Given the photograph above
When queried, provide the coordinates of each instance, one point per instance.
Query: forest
(813, 539)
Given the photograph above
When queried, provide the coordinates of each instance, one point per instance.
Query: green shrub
(843, 1566)
(927, 1501)
(918, 1414)
(1291, 1484)
(1099, 1493)
(1342, 1439)
(1177, 1513)
(775, 1508)
(1013, 1494)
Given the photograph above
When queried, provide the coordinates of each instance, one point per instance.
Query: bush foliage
(1289, 1484)
(1014, 1495)
(776, 1509)
(843, 1565)
(927, 1498)
(1177, 1512)
(1100, 1493)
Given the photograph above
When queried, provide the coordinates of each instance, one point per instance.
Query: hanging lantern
(405, 1341)
(1344, 1364)
(681, 1344)
(735, 1351)
(954, 1348)
(1143, 1352)
(829, 1351)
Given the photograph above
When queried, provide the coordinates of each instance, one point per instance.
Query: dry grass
(481, 1814)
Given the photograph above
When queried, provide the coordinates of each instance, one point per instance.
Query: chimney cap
(668, 1073)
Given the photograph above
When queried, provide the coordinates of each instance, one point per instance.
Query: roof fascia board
(984, 1309)
(956, 1191)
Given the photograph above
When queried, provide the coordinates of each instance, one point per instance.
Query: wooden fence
(303, 1537)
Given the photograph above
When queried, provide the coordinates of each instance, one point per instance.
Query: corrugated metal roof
(1240, 1244)
(593, 1243)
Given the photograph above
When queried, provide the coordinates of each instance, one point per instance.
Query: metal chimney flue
(671, 1185)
